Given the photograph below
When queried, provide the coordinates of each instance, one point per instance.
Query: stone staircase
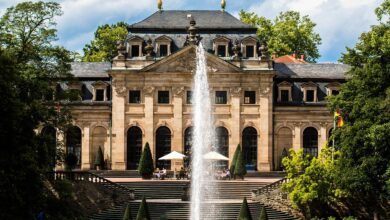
(165, 210)
(155, 189)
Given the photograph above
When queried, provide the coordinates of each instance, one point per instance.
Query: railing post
(254, 194)
(131, 194)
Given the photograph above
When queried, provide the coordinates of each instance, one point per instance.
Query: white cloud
(339, 22)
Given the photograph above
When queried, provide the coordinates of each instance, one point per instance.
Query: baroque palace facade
(145, 95)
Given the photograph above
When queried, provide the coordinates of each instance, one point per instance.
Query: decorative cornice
(235, 91)
(120, 87)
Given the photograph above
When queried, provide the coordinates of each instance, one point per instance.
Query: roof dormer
(221, 46)
(163, 46)
(134, 46)
(248, 47)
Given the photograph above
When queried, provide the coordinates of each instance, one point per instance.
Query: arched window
(249, 147)
(99, 139)
(163, 147)
(188, 144)
(48, 135)
(222, 143)
(310, 141)
(73, 143)
(134, 147)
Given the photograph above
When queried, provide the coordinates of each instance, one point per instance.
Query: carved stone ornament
(134, 124)
(148, 90)
(149, 48)
(236, 50)
(178, 91)
(236, 91)
(120, 46)
(120, 87)
(265, 91)
(263, 50)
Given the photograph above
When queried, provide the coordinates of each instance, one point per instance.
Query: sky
(339, 22)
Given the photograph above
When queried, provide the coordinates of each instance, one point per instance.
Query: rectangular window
(99, 96)
(335, 92)
(189, 97)
(250, 97)
(250, 51)
(309, 95)
(163, 50)
(135, 51)
(135, 96)
(163, 97)
(220, 97)
(284, 95)
(221, 51)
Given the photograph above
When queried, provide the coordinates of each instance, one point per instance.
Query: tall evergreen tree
(99, 160)
(234, 160)
(127, 215)
(245, 212)
(145, 167)
(263, 214)
(240, 169)
(143, 211)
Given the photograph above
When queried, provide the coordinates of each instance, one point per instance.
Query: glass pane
(134, 96)
(163, 50)
(163, 97)
(135, 51)
(310, 96)
(284, 96)
(250, 51)
(221, 51)
(189, 97)
(250, 97)
(220, 97)
(99, 95)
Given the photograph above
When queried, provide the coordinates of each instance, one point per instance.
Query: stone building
(145, 95)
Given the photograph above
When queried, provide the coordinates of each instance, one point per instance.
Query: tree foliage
(103, 47)
(145, 167)
(99, 160)
(288, 33)
(234, 159)
(27, 60)
(143, 211)
(245, 213)
(364, 99)
(239, 168)
(263, 214)
(127, 215)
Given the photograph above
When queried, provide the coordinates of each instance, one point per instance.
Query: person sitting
(157, 173)
(181, 173)
(163, 173)
(228, 175)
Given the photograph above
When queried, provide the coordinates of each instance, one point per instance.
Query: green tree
(127, 215)
(99, 160)
(143, 211)
(288, 33)
(103, 47)
(145, 167)
(263, 214)
(239, 168)
(364, 100)
(245, 213)
(28, 62)
(234, 160)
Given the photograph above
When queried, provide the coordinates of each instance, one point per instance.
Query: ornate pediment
(184, 62)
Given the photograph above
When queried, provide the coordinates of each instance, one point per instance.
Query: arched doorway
(222, 144)
(99, 139)
(310, 141)
(249, 147)
(284, 142)
(49, 137)
(163, 147)
(134, 147)
(188, 145)
(73, 143)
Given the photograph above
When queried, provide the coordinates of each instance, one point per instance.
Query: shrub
(239, 169)
(127, 215)
(143, 212)
(145, 167)
(245, 213)
(234, 160)
(99, 161)
(263, 214)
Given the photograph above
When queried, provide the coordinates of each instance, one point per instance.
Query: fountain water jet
(202, 186)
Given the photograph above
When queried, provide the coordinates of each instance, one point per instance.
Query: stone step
(181, 211)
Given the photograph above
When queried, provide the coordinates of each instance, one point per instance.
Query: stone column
(118, 123)
(149, 119)
(235, 110)
(177, 138)
(297, 140)
(265, 146)
(322, 137)
(86, 164)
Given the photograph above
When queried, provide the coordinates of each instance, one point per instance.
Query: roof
(312, 71)
(177, 19)
(90, 69)
(288, 59)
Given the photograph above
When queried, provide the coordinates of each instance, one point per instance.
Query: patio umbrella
(214, 156)
(173, 156)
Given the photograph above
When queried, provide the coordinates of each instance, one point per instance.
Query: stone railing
(268, 188)
(90, 177)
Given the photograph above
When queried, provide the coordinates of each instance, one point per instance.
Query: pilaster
(265, 146)
(235, 111)
(85, 148)
(149, 116)
(118, 125)
(322, 137)
(177, 138)
(297, 140)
